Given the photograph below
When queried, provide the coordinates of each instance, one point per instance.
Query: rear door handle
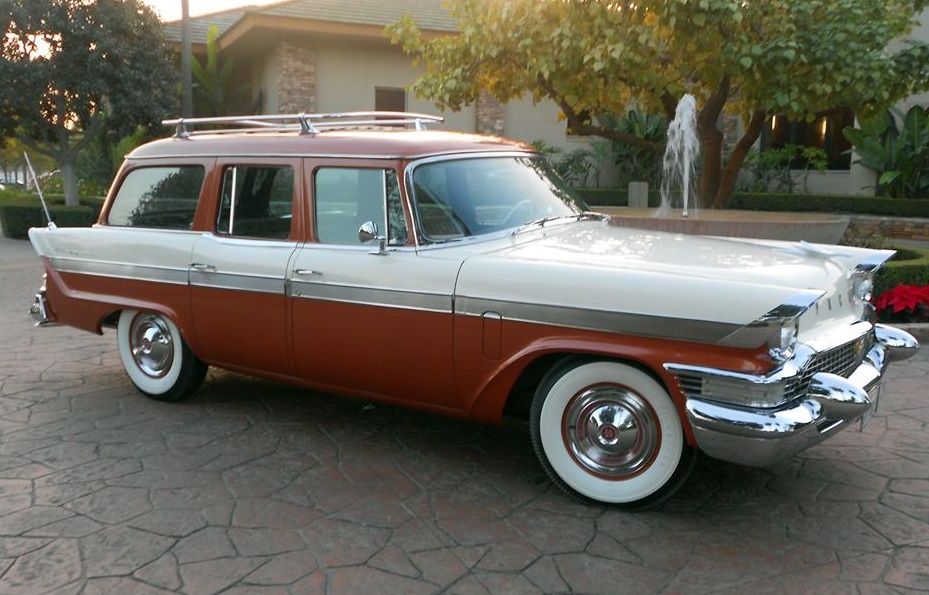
(203, 268)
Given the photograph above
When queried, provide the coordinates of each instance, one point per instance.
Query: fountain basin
(810, 227)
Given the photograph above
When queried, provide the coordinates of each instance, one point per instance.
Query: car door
(371, 317)
(238, 268)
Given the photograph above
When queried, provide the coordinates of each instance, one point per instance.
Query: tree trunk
(711, 144)
(711, 150)
(69, 179)
(731, 174)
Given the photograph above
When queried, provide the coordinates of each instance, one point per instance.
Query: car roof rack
(304, 123)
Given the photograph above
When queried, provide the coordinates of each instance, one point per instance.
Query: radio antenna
(35, 180)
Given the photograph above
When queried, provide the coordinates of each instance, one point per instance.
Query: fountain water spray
(680, 154)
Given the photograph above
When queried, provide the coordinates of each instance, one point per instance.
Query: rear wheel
(155, 356)
(609, 432)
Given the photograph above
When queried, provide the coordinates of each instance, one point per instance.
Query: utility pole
(187, 101)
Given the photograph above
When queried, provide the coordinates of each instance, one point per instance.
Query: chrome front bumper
(757, 436)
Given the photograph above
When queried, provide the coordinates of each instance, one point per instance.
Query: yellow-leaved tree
(751, 58)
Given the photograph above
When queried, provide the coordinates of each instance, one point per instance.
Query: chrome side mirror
(368, 233)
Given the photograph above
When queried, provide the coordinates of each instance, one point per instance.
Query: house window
(387, 99)
(823, 132)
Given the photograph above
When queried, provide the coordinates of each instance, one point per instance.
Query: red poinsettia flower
(903, 297)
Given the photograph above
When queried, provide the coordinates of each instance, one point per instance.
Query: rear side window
(158, 197)
(256, 202)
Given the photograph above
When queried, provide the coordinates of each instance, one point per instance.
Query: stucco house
(333, 56)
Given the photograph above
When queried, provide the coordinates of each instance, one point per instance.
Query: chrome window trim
(427, 159)
(298, 155)
(366, 248)
(249, 241)
(139, 229)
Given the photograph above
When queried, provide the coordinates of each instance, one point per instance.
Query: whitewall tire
(609, 432)
(155, 356)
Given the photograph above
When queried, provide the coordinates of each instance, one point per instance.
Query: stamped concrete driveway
(252, 487)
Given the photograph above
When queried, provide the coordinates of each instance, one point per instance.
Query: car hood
(594, 275)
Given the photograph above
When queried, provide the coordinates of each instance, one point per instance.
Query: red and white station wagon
(362, 254)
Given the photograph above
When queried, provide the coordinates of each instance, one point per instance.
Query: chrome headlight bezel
(783, 345)
(860, 291)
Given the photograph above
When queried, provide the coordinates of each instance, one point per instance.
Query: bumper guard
(39, 310)
(757, 437)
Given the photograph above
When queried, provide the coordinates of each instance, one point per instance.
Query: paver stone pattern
(254, 487)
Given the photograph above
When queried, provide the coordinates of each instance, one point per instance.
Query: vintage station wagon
(364, 255)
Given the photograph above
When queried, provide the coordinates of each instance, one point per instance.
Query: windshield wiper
(543, 221)
(592, 216)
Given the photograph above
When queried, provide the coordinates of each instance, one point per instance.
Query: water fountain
(680, 155)
(677, 182)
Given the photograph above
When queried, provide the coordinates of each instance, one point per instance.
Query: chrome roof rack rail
(304, 123)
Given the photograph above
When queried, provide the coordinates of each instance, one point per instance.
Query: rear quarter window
(158, 197)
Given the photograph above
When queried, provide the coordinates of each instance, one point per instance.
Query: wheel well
(519, 401)
(111, 319)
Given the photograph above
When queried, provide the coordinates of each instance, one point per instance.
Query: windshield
(458, 198)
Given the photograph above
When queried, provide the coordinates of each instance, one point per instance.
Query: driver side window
(347, 198)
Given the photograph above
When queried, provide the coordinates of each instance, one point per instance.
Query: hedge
(861, 205)
(18, 213)
(909, 267)
(858, 205)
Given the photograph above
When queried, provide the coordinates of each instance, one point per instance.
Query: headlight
(782, 346)
(861, 284)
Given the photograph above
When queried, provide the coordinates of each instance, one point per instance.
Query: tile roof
(430, 14)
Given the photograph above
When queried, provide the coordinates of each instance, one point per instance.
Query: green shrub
(18, 215)
(860, 205)
(770, 201)
(909, 267)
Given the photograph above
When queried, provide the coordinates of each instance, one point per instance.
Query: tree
(75, 69)
(753, 59)
(212, 92)
(13, 163)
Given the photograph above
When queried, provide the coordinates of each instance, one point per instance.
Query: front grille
(841, 360)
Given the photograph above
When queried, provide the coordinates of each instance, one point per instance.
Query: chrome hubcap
(152, 345)
(611, 431)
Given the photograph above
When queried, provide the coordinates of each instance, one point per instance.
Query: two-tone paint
(455, 327)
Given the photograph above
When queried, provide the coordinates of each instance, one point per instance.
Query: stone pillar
(296, 85)
(489, 115)
(638, 195)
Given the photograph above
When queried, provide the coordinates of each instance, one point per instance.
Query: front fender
(490, 395)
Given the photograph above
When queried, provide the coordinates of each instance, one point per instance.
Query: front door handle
(202, 267)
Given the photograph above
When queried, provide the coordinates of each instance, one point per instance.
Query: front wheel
(609, 432)
(155, 356)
